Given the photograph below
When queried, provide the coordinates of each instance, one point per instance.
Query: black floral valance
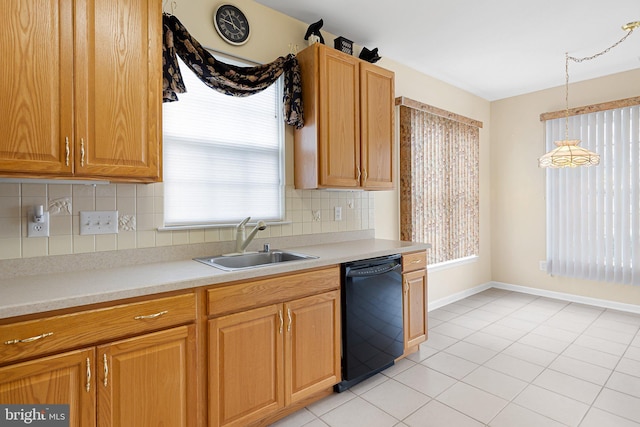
(225, 78)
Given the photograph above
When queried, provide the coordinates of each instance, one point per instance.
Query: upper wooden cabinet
(348, 137)
(81, 85)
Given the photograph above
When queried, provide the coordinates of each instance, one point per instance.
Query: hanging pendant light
(568, 153)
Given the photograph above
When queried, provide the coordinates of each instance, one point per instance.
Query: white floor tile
(424, 351)
(600, 344)
(443, 315)
(505, 332)
(330, 402)
(620, 404)
(453, 331)
(396, 399)
(473, 402)
(498, 308)
(316, 423)
(492, 342)
(592, 356)
(530, 354)
(624, 383)
(629, 366)
(358, 413)
(450, 365)
(544, 343)
(456, 308)
(599, 418)
(399, 366)
(469, 322)
(556, 333)
(517, 368)
(471, 352)
(553, 405)
(636, 341)
(516, 416)
(619, 332)
(367, 385)
(532, 315)
(494, 382)
(425, 380)
(439, 341)
(583, 370)
(568, 386)
(516, 323)
(435, 414)
(297, 419)
(485, 315)
(633, 353)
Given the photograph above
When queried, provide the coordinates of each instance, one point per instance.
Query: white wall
(518, 185)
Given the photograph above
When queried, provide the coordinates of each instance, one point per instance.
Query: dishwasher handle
(373, 270)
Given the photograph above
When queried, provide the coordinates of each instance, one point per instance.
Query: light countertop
(40, 293)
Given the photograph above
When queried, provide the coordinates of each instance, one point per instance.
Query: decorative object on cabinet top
(313, 34)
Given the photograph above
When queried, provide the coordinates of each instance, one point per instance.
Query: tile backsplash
(140, 208)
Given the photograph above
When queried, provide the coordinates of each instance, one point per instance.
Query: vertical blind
(593, 213)
(439, 184)
(223, 156)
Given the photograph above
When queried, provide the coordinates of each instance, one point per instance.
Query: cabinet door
(118, 82)
(148, 380)
(415, 308)
(376, 104)
(312, 346)
(36, 41)
(62, 379)
(339, 133)
(246, 366)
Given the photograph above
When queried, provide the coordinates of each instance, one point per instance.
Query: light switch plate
(98, 222)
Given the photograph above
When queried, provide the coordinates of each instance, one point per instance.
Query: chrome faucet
(241, 241)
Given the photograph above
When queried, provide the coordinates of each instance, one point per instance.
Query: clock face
(231, 24)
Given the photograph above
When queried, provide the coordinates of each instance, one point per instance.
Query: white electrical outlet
(98, 222)
(337, 213)
(37, 229)
(543, 265)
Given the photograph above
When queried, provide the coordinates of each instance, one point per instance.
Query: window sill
(202, 226)
(452, 264)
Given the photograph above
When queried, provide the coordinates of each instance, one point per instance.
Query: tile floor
(502, 359)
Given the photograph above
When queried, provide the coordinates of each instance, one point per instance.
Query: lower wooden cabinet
(148, 380)
(66, 378)
(263, 359)
(142, 381)
(414, 282)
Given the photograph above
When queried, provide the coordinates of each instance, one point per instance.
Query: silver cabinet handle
(151, 316)
(290, 321)
(281, 321)
(31, 339)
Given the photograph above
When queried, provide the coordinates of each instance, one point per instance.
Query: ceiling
(492, 48)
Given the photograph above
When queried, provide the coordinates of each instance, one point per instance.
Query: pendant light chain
(630, 27)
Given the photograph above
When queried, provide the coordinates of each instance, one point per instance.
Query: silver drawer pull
(151, 316)
(416, 261)
(31, 339)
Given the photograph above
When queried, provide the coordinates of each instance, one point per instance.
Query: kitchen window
(223, 156)
(439, 182)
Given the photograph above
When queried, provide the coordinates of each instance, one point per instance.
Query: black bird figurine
(369, 55)
(314, 29)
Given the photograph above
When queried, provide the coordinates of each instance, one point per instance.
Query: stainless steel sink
(252, 260)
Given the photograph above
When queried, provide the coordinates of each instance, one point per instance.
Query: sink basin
(252, 260)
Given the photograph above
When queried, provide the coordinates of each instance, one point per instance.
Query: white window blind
(593, 213)
(223, 156)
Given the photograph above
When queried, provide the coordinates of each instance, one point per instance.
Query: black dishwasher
(372, 322)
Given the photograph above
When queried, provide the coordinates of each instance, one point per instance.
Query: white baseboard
(630, 308)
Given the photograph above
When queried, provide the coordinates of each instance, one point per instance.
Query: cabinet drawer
(258, 293)
(414, 261)
(22, 340)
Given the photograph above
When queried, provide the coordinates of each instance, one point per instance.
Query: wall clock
(231, 24)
